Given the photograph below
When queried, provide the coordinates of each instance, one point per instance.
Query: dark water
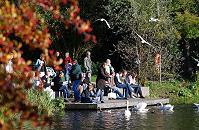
(184, 117)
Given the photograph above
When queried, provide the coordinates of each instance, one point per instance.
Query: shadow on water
(184, 117)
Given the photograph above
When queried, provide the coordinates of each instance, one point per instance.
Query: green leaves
(188, 24)
(134, 16)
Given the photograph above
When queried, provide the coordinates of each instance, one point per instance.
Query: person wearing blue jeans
(67, 69)
(75, 75)
(124, 86)
(120, 84)
(102, 79)
(64, 89)
(100, 94)
(135, 88)
(77, 96)
(116, 90)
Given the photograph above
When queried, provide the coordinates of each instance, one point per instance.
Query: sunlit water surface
(184, 117)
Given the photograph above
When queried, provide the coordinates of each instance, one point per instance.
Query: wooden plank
(81, 106)
(112, 104)
(122, 103)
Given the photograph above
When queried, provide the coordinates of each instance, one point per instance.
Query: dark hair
(133, 74)
(59, 72)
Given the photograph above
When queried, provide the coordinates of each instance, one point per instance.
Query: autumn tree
(20, 25)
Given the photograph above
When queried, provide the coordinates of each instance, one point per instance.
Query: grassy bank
(43, 101)
(44, 105)
(178, 92)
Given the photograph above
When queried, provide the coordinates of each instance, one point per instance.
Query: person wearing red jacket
(67, 59)
(67, 66)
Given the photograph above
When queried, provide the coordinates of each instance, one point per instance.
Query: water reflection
(183, 118)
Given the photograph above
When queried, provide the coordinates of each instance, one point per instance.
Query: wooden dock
(112, 104)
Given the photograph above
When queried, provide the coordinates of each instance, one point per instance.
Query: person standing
(67, 59)
(59, 60)
(76, 75)
(41, 65)
(110, 70)
(88, 64)
(67, 66)
(101, 81)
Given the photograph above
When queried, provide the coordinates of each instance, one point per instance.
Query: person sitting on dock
(125, 79)
(118, 93)
(131, 80)
(120, 84)
(86, 89)
(61, 85)
(86, 94)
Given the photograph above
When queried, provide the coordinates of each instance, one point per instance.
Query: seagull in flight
(196, 61)
(153, 20)
(144, 41)
(102, 19)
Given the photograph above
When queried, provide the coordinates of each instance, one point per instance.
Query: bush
(179, 92)
(43, 101)
(95, 67)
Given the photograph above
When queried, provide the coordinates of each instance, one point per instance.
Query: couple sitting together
(115, 81)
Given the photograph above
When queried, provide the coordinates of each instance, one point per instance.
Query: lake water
(184, 117)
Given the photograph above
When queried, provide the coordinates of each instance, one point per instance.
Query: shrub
(44, 102)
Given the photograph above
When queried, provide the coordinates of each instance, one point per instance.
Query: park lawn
(178, 92)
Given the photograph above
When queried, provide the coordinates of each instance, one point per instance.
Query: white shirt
(118, 77)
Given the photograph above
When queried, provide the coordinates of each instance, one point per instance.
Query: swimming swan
(196, 105)
(127, 112)
(140, 107)
(167, 107)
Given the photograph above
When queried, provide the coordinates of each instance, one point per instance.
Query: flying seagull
(153, 19)
(102, 19)
(196, 61)
(143, 41)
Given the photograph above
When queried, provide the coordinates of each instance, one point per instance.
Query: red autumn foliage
(22, 25)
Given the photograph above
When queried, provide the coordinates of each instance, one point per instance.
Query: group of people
(61, 80)
(71, 79)
(107, 78)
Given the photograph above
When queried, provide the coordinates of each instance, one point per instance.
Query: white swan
(167, 107)
(108, 111)
(127, 112)
(140, 107)
(196, 105)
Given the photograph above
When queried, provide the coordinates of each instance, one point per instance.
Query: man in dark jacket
(75, 75)
(61, 85)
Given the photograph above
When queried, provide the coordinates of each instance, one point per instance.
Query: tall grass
(179, 92)
(43, 101)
